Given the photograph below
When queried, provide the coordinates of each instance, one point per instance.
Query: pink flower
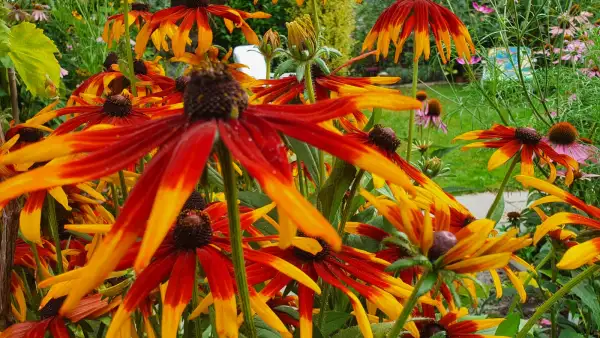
(474, 59)
(63, 72)
(579, 175)
(39, 12)
(564, 139)
(591, 72)
(431, 114)
(572, 98)
(482, 8)
(545, 322)
(69, 47)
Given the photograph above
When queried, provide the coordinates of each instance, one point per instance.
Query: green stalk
(195, 303)
(128, 47)
(552, 300)
(346, 211)
(115, 198)
(268, 75)
(123, 185)
(411, 121)
(316, 24)
(36, 257)
(101, 330)
(513, 164)
(54, 231)
(408, 307)
(308, 83)
(300, 178)
(235, 235)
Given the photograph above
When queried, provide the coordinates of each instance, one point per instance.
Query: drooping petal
(30, 217)
(306, 300)
(487, 262)
(179, 292)
(580, 254)
(500, 156)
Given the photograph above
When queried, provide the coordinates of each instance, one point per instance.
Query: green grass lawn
(464, 110)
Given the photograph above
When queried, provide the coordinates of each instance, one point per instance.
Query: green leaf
(405, 263)
(4, 39)
(374, 118)
(570, 333)
(586, 293)
(322, 65)
(253, 199)
(334, 321)
(510, 326)
(334, 189)
(442, 151)
(428, 283)
(32, 53)
(379, 331)
(284, 67)
(300, 70)
(499, 211)
(304, 154)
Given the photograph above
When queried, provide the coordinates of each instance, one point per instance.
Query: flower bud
(302, 38)
(269, 43)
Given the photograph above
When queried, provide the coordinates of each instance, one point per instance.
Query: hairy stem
(513, 164)
(408, 307)
(128, 47)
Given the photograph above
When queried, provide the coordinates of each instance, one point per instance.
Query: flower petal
(179, 292)
(580, 254)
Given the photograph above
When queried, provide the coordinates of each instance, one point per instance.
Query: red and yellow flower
(453, 324)
(511, 141)
(114, 27)
(403, 17)
(213, 102)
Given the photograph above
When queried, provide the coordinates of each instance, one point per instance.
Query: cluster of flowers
(133, 252)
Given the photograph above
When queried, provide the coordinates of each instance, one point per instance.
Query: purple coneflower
(591, 72)
(578, 174)
(564, 139)
(474, 59)
(482, 8)
(39, 12)
(431, 114)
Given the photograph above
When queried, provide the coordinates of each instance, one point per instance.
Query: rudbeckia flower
(193, 13)
(347, 269)
(454, 324)
(563, 137)
(403, 17)
(465, 251)
(213, 101)
(114, 27)
(510, 141)
(286, 89)
(578, 255)
(90, 307)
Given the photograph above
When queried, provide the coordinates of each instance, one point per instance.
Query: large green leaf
(379, 331)
(334, 189)
(305, 154)
(32, 53)
(510, 326)
(333, 321)
(588, 296)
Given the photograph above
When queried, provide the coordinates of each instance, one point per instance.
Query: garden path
(479, 203)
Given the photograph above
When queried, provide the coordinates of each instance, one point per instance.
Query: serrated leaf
(300, 70)
(405, 263)
(4, 39)
(322, 65)
(334, 189)
(284, 67)
(428, 283)
(510, 326)
(32, 53)
(588, 296)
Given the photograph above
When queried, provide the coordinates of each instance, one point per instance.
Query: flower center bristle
(513, 216)
(384, 138)
(140, 7)
(197, 3)
(443, 241)
(435, 108)
(139, 67)
(563, 133)
(192, 230)
(213, 93)
(52, 307)
(309, 257)
(111, 59)
(421, 95)
(527, 136)
(181, 83)
(30, 135)
(431, 329)
(195, 202)
(117, 106)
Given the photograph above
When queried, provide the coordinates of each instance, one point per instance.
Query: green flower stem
(195, 303)
(300, 178)
(115, 198)
(123, 185)
(235, 235)
(36, 257)
(54, 231)
(558, 295)
(346, 211)
(315, 11)
(324, 305)
(543, 262)
(513, 164)
(308, 83)
(268, 75)
(408, 307)
(411, 121)
(128, 47)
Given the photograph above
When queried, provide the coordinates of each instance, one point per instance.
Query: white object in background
(249, 56)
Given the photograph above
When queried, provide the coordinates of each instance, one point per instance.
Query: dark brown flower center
(384, 138)
(309, 257)
(513, 216)
(563, 133)
(192, 230)
(421, 95)
(52, 307)
(117, 106)
(140, 7)
(443, 241)
(197, 3)
(431, 329)
(139, 67)
(527, 136)
(213, 93)
(435, 108)
(30, 135)
(181, 83)
(195, 202)
(111, 59)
